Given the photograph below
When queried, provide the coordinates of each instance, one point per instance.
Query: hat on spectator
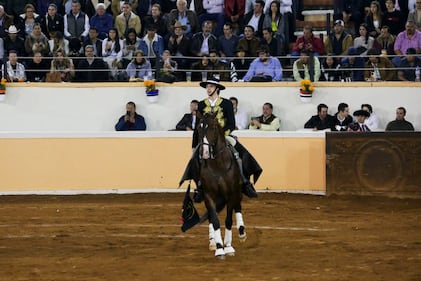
(340, 22)
(178, 24)
(213, 81)
(411, 51)
(12, 30)
(361, 113)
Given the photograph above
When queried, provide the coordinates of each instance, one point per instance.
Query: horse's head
(211, 136)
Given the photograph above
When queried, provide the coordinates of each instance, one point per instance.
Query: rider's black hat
(213, 81)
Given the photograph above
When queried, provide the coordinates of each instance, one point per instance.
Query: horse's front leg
(240, 225)
(228, 249)
(214, 223)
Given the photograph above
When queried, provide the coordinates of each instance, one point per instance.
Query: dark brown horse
(221, 180)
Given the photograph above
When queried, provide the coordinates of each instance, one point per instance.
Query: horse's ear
(213, 115)
(199, 115)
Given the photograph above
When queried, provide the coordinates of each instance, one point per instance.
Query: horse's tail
(220, 205)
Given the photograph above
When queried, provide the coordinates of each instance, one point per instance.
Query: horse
(221, 181)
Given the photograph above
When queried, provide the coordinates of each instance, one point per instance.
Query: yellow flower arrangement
(150, 85)
(306, 87)
(3, 86)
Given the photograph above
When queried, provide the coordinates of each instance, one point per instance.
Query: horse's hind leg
(240, 226)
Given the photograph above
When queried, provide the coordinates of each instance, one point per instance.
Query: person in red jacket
(308, 42)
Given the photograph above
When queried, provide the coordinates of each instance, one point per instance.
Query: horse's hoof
(212, 245)
(220, 254)
(229, 251)
(222, 257)
(243, 237)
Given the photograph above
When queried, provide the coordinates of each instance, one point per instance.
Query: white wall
(97, 107)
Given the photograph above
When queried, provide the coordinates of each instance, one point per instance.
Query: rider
(226, 118)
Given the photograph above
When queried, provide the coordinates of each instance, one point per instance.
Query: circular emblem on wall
(379, 166)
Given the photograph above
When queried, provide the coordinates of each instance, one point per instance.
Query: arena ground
(138, 237)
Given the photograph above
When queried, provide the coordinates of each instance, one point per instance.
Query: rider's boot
(198, 193)
(247, 188)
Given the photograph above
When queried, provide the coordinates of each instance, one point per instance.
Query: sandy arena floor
(138, 237)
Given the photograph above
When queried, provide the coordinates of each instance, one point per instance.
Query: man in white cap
(14, 42)
(226, 118)
(339, 41)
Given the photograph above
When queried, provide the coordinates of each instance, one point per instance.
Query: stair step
(317, 15)
(315, 24)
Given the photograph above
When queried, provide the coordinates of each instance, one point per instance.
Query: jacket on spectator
(18, 45)
(76, 26)
(345, 40)
(157, 45)
(134, 22)
(250, 48)
(197, 41)
(102, 24)
(97, 71)
(49, 24)
(191, 18)
(39, 44)
(314, 41)
(386, 69)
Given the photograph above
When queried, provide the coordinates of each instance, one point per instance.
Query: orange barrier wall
(141, 161)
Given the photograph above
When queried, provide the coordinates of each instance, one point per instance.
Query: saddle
(250, 165)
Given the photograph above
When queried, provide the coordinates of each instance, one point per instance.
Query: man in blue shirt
(101, 21)
(264, 68)
(131, 121)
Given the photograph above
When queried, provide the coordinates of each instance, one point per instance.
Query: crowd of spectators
(242, 40)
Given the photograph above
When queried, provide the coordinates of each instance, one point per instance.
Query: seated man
(241, 121)
(306, 67)
(408, 66)
(351, 66)
(15, 71)
(37, 68)
(131, 121)
(264, 68)
(92, 69)
(378, 68)
(400, 124)
(267, 121)
(358, 125)
(322, 120)
(188, 122)
(342, 118)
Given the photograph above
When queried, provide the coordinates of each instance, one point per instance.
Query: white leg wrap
(239, 220)
(218, 237)
(228, 238)
(211, 232)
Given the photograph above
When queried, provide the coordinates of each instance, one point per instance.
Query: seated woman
(57, 42)
(63, 65)
(131, 44)
(139, 67)
(112, 50)
(36, 42)
(364, 41)
(27, 20)
(330, 69)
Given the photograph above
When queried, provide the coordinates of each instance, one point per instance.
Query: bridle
(203, 127)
